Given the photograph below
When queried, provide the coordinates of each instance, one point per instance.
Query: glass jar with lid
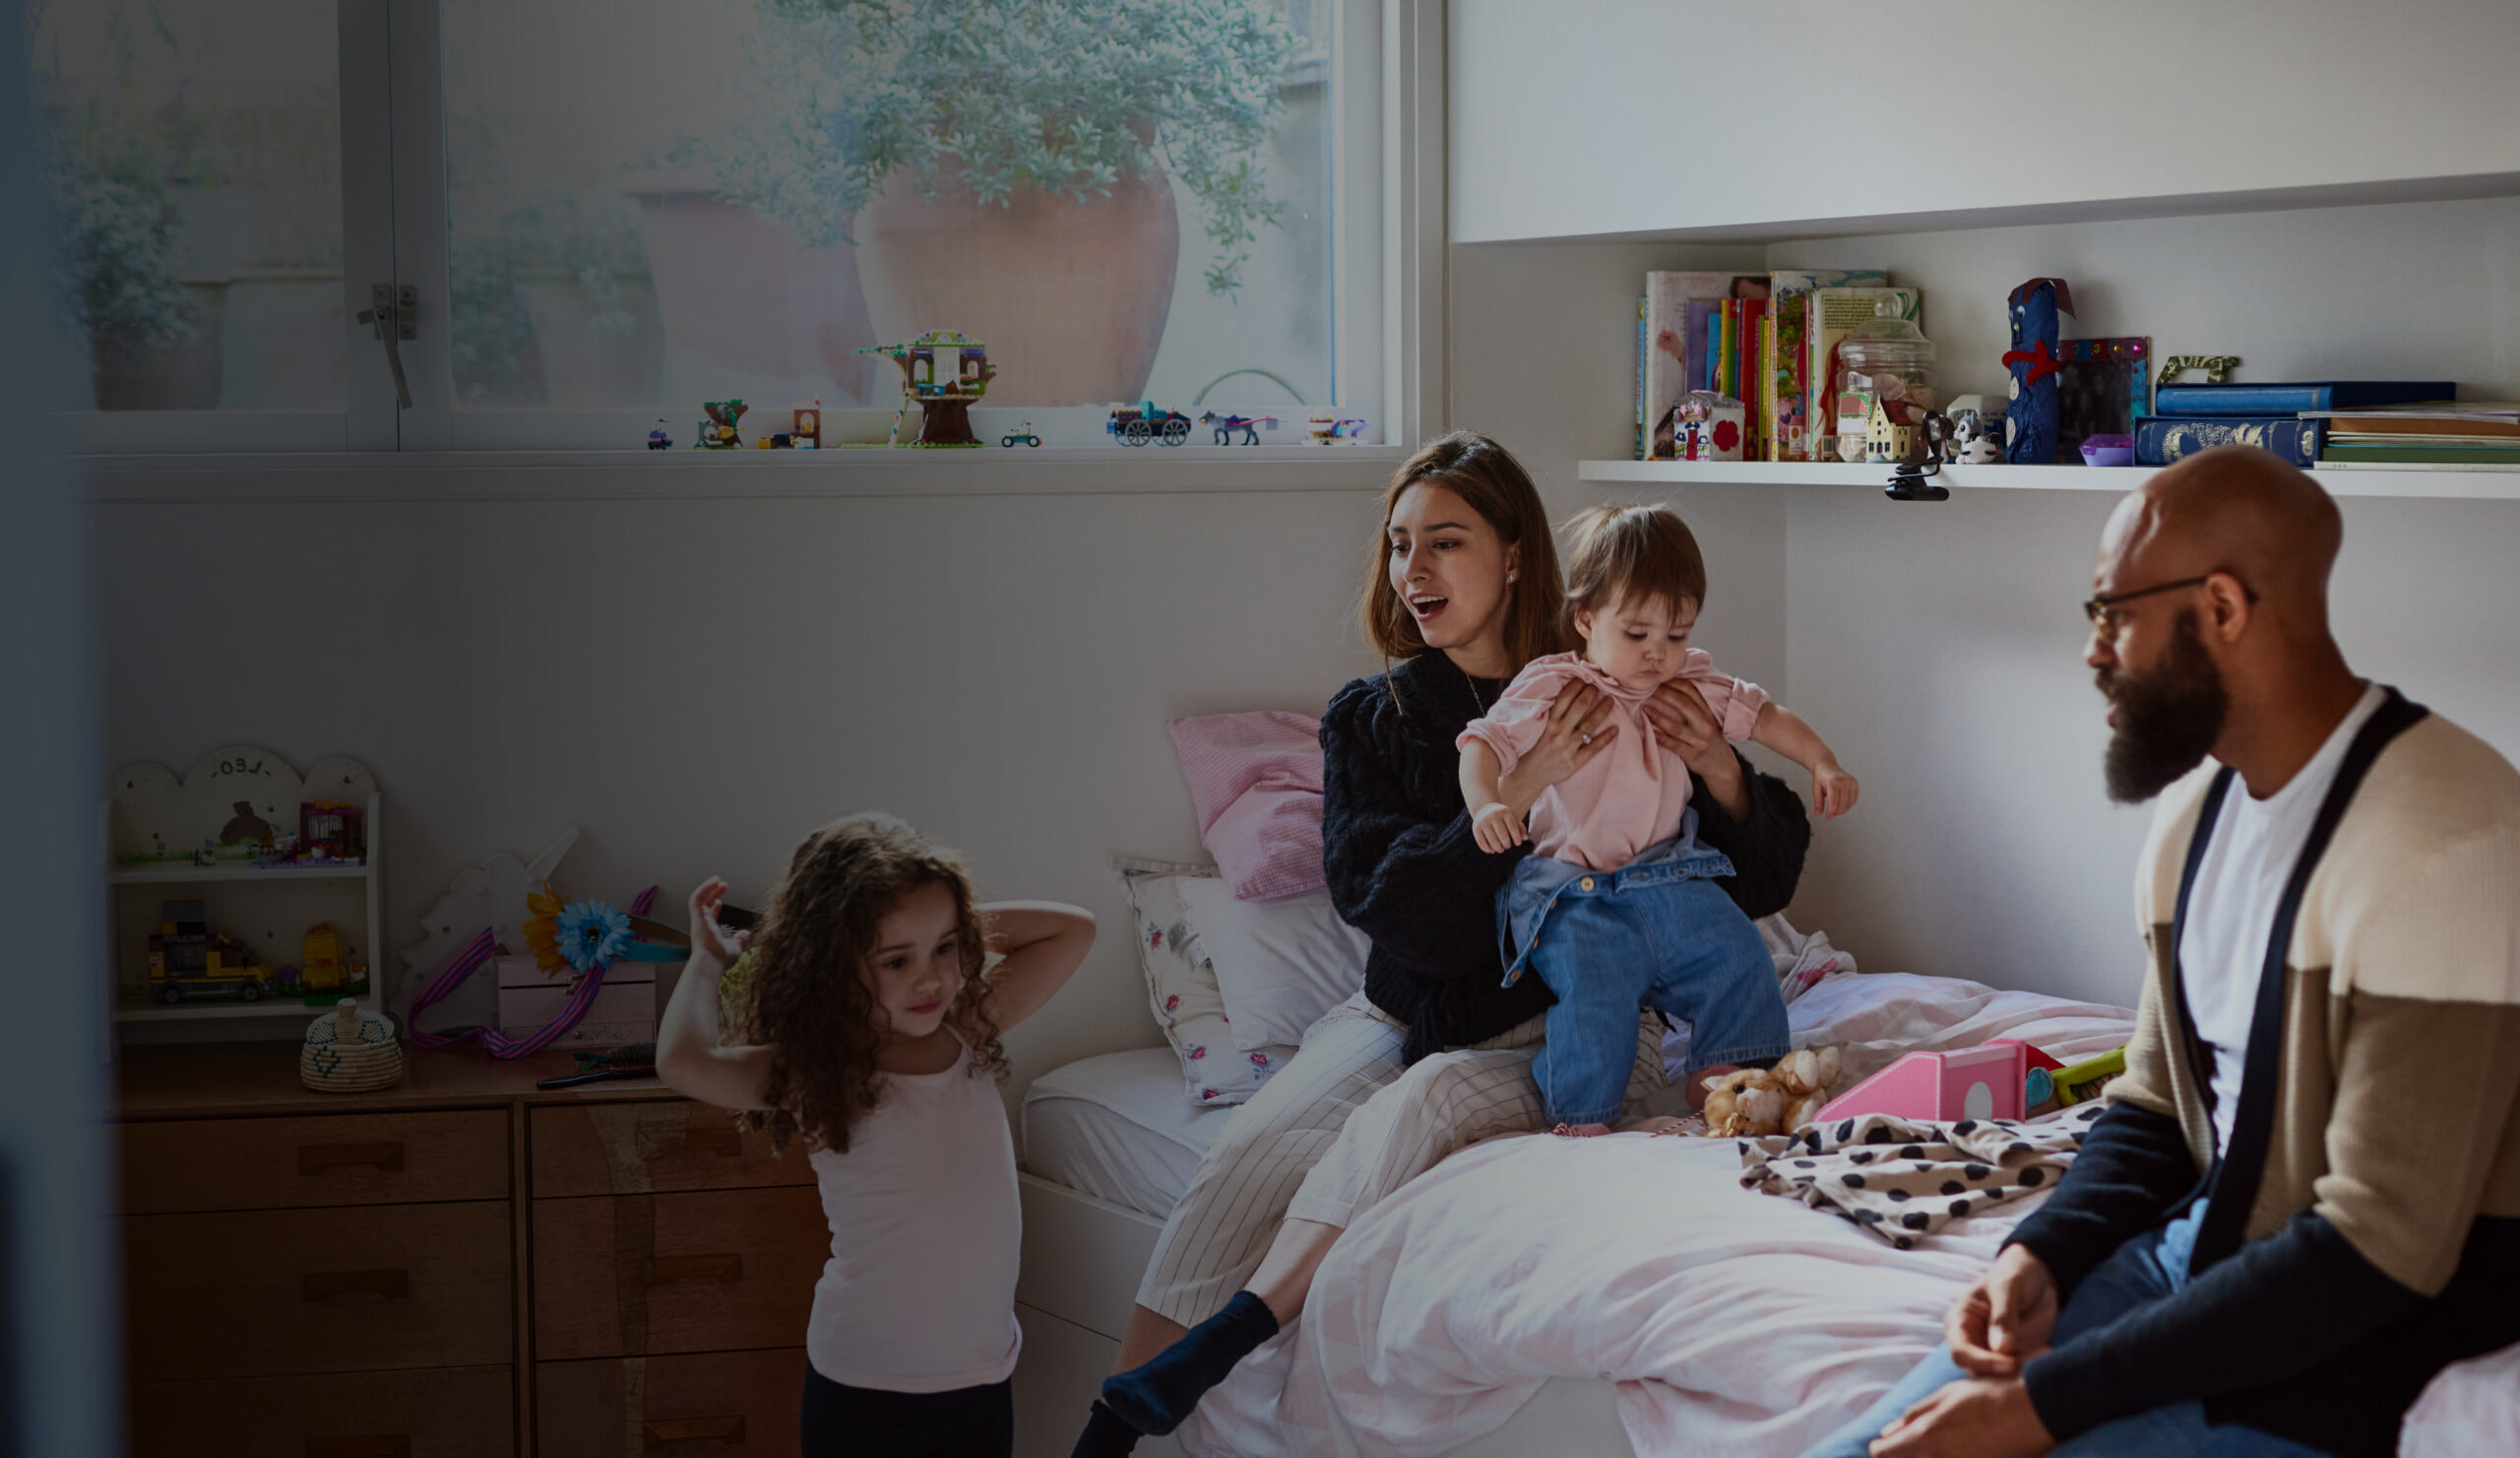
(1886, 360)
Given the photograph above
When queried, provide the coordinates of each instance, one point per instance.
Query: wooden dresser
(461, 1266)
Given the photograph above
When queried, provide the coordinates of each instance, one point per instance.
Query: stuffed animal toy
(1769, 1100)
(2030, 425)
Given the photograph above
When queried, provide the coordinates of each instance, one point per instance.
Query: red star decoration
(2043, 362)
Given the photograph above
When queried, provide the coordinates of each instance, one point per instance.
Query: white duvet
(1732, 1322)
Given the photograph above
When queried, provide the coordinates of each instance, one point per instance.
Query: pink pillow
(1256, 781)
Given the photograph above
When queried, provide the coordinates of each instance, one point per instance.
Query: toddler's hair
(804, 990)
(1618, 555)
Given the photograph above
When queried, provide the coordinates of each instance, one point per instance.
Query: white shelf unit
(265, 908)
(2483, 484)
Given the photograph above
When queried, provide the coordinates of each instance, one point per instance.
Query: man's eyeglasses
(2103, 611)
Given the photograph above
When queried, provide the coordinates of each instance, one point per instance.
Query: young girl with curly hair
(864, 1026)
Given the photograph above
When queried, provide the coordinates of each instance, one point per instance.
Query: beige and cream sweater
(2383, 1240)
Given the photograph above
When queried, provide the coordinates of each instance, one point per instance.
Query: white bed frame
(1079, 1281)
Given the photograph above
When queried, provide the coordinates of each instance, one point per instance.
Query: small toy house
(330, 831)
(1895, 436)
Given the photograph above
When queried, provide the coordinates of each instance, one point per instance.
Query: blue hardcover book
(2285, 399)
(2162, 439)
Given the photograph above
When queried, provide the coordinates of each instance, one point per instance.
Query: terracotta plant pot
(586, 364)
(749, 313)
(183, 375)
(1069, 294)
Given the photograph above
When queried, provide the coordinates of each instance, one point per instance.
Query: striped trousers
(1340, 1126)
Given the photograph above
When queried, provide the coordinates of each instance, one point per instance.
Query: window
(613, 210)
(193, 161)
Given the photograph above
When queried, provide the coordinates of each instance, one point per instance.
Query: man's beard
(2168, 717)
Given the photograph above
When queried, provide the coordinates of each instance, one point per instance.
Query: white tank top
(919, 1294)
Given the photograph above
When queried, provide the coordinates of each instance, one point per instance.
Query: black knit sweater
(1404, 870)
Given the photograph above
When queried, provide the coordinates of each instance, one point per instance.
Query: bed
(1669, 1310)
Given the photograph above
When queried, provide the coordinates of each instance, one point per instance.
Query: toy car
(1025, 435)
(1136, 425)
(186, 959)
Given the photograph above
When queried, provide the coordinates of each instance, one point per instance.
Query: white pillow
(1182, 986)
(1279, 964)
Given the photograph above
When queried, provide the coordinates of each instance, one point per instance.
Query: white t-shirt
(2231, 909)
(919, 1294)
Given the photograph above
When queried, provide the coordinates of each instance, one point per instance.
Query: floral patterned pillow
(1181, 987)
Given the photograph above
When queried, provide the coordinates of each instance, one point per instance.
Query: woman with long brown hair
(1461, 591)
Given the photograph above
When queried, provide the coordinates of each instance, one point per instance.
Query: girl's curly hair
(808, 994)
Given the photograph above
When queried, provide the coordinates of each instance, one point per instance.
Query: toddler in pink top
(1620, 906)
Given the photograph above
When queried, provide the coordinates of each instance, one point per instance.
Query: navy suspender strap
(2233, 1191)
(2202, 837)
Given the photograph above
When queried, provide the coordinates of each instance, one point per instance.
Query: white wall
(1791, 116)
(1938, 646)
(698, 683)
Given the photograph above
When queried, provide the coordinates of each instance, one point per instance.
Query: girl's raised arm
(689, 1058)
(1044, 943)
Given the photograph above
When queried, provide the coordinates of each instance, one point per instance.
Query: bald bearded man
(2304, 1199)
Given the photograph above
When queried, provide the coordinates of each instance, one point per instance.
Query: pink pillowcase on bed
(1256, 781)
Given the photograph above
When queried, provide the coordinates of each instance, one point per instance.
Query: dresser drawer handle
(723, 1142)
(323, 1159)
(726, 1270)
(325, 1285)
(693, 1429)
(395, 1445)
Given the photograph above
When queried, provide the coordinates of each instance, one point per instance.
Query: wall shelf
(163, 875)
(2491, 485)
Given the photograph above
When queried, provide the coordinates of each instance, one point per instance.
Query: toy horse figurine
(2030, 424)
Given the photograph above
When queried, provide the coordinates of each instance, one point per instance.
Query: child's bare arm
(1044, 943)
(1782, 730)
(689, 1058)
(1492, 822)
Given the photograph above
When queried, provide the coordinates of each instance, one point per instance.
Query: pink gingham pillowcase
(1255, 779)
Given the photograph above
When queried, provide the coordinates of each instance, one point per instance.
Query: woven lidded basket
(349, 1052)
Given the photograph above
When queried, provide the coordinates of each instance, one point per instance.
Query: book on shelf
(2161, 440)
(1675, 337)
(2233, 399)
(2505, 454)
(2474, 419)
(2332, 463)
(1836, 312)
(1784, 387)
(1644, 352)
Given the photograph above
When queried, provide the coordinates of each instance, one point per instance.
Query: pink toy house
(1983, 1082)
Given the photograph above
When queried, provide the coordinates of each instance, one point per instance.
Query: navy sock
(1106, 1436)
(1155, 1397)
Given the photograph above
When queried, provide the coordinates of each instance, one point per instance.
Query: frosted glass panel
(192, 153)
(654, 202)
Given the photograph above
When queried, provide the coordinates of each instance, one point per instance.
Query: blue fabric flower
(592, 934)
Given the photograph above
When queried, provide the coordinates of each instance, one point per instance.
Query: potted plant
(1006, 168)
(152, 337)
(554, 307)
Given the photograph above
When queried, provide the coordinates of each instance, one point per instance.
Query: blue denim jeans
(2145, 1269)
(1655, 933)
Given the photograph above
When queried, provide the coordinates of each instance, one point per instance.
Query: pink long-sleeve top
(1629, 796)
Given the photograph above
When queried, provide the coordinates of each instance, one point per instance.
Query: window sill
(549, 476)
